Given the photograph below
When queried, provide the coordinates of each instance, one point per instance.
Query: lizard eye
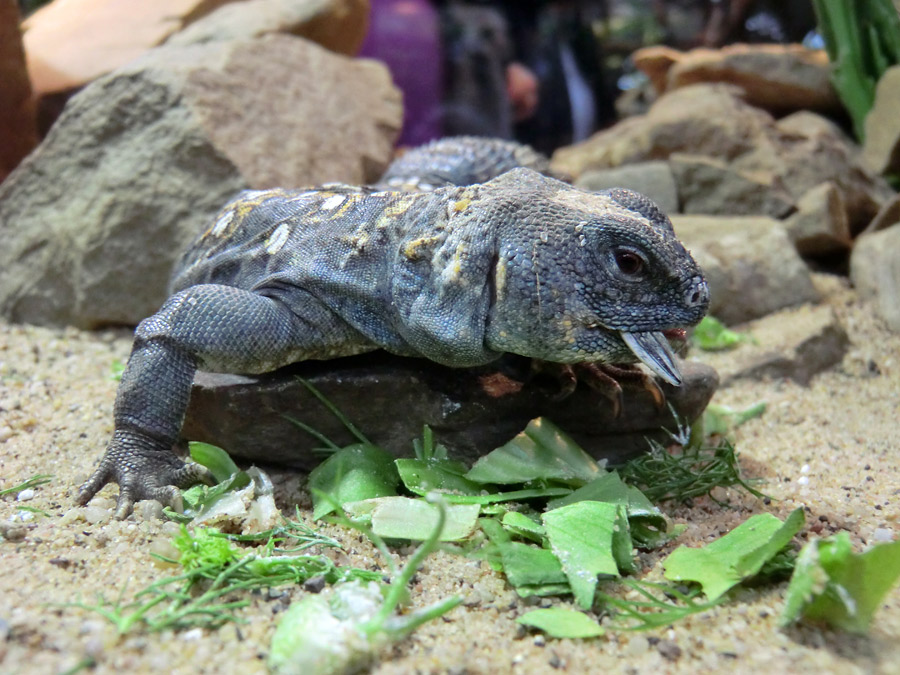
(629, 263)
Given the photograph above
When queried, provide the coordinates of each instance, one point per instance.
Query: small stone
(750, 265)
(820, 226)
(5, 434)
(669, 650)
(148, 509)
(25, 495)
(12, 531)
(95, 514)
(875, 272)
(637, 645)
(314, 584)
(711, 185)
(882, 534)
(653, 179)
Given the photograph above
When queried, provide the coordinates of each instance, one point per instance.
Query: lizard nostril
(697, 295)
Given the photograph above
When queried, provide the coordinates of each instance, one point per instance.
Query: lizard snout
(697, 294)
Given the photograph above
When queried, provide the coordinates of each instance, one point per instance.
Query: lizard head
(605, 277)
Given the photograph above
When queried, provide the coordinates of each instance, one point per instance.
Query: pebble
(5, 434)
(883, 534)
(637, 645)
(95, 514)
(25, 495)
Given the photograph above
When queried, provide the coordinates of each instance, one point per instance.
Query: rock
(472, 411)
(710, 185)
(655, 62)
(68, 43)
(777, 78)
(888, 215)
(749, 262)
(337, 25)
(881, 148)
(795, 343)
(820, 226)
(141, 160)
(875, 271)
(653, 179)
(797, 152)
(18, 127)
(704, 119)
(807, 150)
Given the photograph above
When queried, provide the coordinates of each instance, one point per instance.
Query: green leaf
(648, 524)
(352, 474)
(833, 585)
(712, 335)
(561, 623)
(526, 565)
(521, 525)
(722, 420)
(541, 452)
(415, 519)
(737, 556)
(422, 476)
(213, 458)
(581, 537)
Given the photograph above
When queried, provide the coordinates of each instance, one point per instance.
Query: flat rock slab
(472, 411)
(796, 344)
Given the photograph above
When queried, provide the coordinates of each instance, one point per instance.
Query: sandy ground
(840, 435)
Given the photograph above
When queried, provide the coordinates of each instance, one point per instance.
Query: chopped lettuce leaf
(522, 526)
(352, 474)
(414, 519)
(213, 458)
(739, 555)
(542, 452)
(581, 536)
(833, 585)
(558, 622)
(711, 335)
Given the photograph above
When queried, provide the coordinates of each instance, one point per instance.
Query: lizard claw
(144, 469)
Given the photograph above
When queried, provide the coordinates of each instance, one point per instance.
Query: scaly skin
(523, 264)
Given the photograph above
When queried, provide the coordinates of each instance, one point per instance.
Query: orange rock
(18, 131)
(70, 42)
(778, 78)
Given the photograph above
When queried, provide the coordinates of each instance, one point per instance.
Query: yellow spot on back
(461, 205)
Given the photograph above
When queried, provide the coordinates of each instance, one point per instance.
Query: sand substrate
(831, 448)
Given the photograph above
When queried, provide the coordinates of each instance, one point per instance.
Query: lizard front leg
(210, 327)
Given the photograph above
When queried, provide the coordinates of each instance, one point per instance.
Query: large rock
(703, 119)
(711, 185)
(338, 25)
(68, 43)
(141, 159)
(653, 179)
(795, 343)
(472, 411)
(875, 271)
(18, 129)
(749, 262)
(797, 152)
(778, 78)
(881, 148)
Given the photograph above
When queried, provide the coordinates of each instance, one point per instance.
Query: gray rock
(389, 398)
(888, 215)
(653, 179)
(875, 271)
(820, 226)
(749, 262)
(711, 185)
(142, 159)
(881, 148)
(797, 152)
(795, 343)
(338, 25)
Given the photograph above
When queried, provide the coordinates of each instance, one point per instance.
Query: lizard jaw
(654, 351)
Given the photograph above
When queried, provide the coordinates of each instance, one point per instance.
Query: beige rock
(653, 179)
(655, 62)
(18, 130)
(711, 185)
(68, 43)
(875, 271)
(749, 262)
(820, 226)
(888, 215)
(168, 139)
(704, 119)
(795, 343)
(881, 148)
(338, 25)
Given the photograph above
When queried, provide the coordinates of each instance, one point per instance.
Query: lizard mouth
(655, 352)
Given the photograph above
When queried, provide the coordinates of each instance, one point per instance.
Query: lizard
(522, 263)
